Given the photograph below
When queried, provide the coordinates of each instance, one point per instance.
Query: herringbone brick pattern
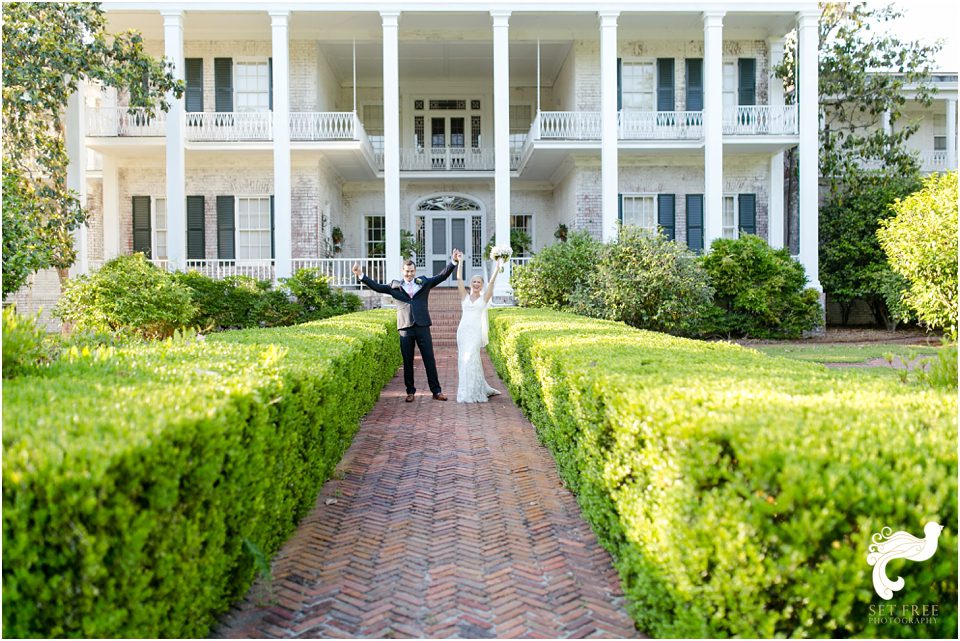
(444, 520)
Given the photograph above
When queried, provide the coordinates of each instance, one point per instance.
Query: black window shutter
(196, 249)
(142, 232)
(270, 72)
(273, 253)
(223, 83)
(193, 74)
(695, 222)
(748, 213)
(667, 215)
(619, 84)
(620, 208)
(694, 84)
(665, 85)
(226, 228)
(748, 81)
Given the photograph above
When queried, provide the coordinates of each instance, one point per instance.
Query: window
(251, 86)
(729, 86)
(729, 225)
(523, 223)
(638, 86)
(641, 211)
(375, 236)
(160, 228)
(939, 133)
(253, 228)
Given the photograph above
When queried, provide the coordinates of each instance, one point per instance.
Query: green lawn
(819, 353)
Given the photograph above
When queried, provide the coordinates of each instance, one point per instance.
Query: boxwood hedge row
(138, 484)
(738, 492)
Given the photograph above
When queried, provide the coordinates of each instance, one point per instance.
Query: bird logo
(889, 545)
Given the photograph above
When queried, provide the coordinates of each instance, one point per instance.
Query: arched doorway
(443, 222)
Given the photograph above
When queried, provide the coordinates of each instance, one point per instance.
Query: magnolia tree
(48, 49)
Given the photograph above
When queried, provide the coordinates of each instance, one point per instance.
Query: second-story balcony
(449, 159)
(760, 120)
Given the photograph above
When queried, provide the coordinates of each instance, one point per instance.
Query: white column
(808, 37)
(391, 138)
(77, 169)
(501, 140)
(775, 217)
(283, 231)
(111, 208)
(176, 159)
(609, 169)
(712, 126)
(951, 134)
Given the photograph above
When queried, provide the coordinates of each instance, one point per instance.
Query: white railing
(519, 260)
(761, 120)
(339, 270)
(446, 159)
(323, 125)
(660, 125)
(120, 121)
(218, 269)
(229, 126)
(567, 125)
(931, 161)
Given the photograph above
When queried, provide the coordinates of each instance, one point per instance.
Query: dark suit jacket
(411, 311)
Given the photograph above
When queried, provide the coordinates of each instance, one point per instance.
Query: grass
(826, 353)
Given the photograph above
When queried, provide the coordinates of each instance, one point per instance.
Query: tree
(48, 49)
(921, 243)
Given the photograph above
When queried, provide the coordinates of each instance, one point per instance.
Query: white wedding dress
(471, 337)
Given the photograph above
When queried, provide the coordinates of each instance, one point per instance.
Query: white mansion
(456, 122)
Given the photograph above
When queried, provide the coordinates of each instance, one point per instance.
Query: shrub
(230, 303)
(136, 481)
(551, 276)
(737, 492)
(315, 298)
(24, 343)
(943, 370)
(128, 294)
(921, 245)
(646, 281)
(759, 290)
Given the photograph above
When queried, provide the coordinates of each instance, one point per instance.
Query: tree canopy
(49, 48)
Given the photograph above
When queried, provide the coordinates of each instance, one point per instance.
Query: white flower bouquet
(500, 251)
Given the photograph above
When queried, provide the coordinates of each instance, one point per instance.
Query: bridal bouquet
(500, 251)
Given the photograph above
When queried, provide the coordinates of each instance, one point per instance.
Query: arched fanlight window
(448, 203)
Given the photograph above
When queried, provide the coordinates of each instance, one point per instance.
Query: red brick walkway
(444, 520)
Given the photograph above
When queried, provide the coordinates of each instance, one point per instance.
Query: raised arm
(369, 282)
(496, 270)
(460, 287)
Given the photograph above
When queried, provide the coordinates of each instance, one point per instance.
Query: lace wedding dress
(471, 336)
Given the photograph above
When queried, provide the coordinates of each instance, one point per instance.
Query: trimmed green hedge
(738, 492)
(137, 481)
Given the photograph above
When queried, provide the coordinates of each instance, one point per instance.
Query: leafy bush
(943, 370)
(128, 294)
(552, 275)
(921, 245)
(24, 343)
(648, 281)
(137, 480)
(315, 298)
(738, 492)
(230, 303)
(759, 290)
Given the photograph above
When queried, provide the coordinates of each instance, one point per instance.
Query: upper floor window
(638, 85)
(640, 210)
(730, 217)
(729, 85)
(252, 86)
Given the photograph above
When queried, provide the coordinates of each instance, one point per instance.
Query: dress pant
(418, 335)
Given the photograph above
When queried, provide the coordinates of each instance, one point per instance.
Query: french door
(447, 142)
(444, 233)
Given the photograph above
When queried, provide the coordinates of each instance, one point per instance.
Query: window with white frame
(939, 133)
(730, 100)
(253, 228)
(523, 223)
(160, 228)
(640, 210)
(251, 86)
(375, 236)
(638, 85)
(730, 218)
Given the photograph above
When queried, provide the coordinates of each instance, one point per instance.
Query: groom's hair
(409, 263)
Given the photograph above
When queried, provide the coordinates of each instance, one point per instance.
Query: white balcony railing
(229, 126)
(567, 125)
(660, 125)
(324, 125)
(218, 269)
(761, 120)
(339, 270)
(933, 161)
(448, 159)
(121, 121)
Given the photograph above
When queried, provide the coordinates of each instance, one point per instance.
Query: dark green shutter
(226, 228)
(665, 84)
(619, 84)
(748, 81)
(695, 222)
(667, 215)
(620, 208)
(142, 232)
(694, 84)
(193, 74)
(270, 73)
(273, 251)
(748, 213)
(223, 83)
(196, 249)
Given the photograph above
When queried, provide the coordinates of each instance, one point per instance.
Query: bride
(472, 335)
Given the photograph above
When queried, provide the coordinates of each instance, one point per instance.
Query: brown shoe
(439, 397)
(410, 398)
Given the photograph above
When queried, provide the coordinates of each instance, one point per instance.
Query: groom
(413, 318)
